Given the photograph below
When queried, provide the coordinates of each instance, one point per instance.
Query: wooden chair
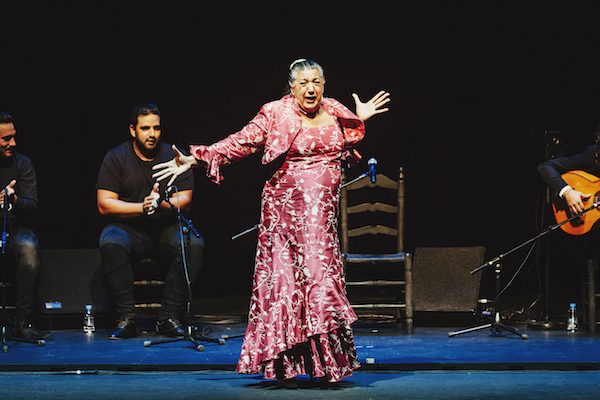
(372, 240)
(148, 285)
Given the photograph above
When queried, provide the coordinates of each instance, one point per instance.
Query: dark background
(473, 89)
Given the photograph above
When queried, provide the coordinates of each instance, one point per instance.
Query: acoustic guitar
(585, 183)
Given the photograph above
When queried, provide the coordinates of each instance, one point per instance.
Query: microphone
(372, 163)
(165, 196)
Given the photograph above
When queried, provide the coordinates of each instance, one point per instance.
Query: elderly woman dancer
(300, 319)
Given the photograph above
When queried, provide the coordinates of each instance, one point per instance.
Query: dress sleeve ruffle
(351, 157)
(354, 132)
(234, 147)
(212, 160)
(352, 127)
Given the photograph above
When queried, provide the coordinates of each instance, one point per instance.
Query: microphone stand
(3, 284)
(497, 325)
(4, 224)
(190, 330)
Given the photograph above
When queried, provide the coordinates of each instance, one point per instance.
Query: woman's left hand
(177, 166)
(364, 111)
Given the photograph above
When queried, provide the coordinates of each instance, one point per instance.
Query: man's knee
(113, 256)
(114, 234)
(26, 249)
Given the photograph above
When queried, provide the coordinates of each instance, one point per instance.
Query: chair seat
(370, 258)
(378, 305)
(149, 282)
(378, 282)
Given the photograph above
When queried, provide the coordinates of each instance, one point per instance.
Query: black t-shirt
(20, 167)
(124, 173)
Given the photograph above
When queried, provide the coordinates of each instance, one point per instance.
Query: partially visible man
(587, 160)
(20, 199)
(142, 224)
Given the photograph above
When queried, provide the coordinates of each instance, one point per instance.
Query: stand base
(496, 328)
(5, 338)
(189, 335)
(546, 325)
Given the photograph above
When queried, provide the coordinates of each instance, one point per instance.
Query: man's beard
(4, 156)
(150, 153)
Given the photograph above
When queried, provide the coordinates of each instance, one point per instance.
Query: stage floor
(379, 347)
(428, 364)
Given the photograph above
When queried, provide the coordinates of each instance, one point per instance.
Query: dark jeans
(122, 244)
(23, 243)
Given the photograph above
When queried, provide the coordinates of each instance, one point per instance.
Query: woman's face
(308, 88)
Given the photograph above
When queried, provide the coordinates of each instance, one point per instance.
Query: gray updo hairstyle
(301, 64)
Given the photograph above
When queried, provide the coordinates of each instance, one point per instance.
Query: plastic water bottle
(572, 318)
(88, 320)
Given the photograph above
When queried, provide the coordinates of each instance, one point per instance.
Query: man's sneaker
(170, 327)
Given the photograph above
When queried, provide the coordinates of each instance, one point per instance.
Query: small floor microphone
(372, 163)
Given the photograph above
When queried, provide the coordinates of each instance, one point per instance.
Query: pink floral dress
(299, 318)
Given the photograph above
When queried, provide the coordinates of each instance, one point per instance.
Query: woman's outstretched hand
(364, 111)
(177, 166)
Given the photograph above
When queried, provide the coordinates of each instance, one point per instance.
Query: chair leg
(591, 296)
(408, 293)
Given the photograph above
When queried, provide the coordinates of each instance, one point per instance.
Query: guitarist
(588, 160)
(551, 170)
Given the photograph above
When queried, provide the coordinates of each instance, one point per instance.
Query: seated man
(142, 224)
(576, 201)
(18, 197)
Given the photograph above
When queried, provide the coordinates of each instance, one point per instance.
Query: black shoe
(170, 327)
(126, 328)
(26, 330)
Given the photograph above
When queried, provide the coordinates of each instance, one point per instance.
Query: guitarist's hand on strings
(575, 200)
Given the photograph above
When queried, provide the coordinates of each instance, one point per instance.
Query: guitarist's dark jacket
(551, 170)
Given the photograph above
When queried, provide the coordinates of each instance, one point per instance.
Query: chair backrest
(363, 199)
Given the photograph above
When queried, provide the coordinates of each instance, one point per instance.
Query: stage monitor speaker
(442, 279)
(70, 279)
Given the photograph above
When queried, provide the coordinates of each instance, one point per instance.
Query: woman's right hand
(177, 166)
